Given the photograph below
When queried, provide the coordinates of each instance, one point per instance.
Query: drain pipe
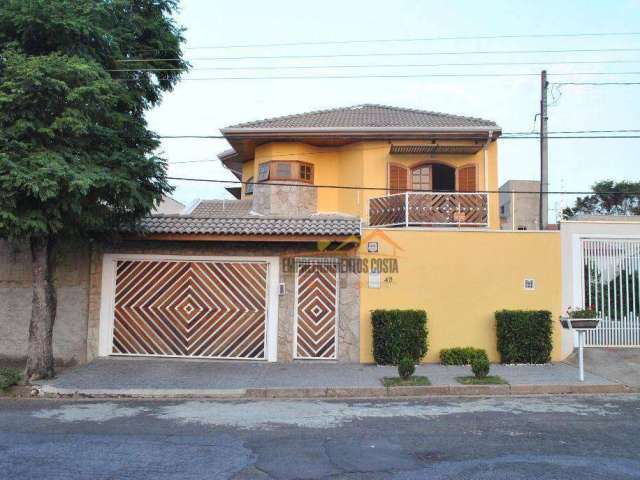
(486, 174)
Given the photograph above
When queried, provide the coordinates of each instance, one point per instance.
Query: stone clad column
(285, 200)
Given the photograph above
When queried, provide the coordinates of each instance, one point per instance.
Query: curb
(48, 391)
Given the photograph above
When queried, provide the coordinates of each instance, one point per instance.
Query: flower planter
(579, 323)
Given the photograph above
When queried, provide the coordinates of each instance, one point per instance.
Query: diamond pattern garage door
(316, 312)
(192, 309)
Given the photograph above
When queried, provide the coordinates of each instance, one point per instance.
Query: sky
(202, 107)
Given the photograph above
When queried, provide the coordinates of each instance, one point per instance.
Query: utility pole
(544, 154)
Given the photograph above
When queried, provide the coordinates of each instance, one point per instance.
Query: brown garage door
(209, 309)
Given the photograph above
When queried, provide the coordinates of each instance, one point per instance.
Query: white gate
(611, 285)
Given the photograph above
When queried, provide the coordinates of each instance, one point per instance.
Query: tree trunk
(43, 310)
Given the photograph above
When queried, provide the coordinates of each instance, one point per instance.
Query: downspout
(486, 174)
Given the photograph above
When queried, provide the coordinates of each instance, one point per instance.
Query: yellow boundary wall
(461, 278)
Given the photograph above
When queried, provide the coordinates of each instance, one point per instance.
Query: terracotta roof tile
(222, 208)
(252, 225)
(369, 115)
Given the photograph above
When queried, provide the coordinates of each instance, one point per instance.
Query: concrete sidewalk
(155, 377)
(617, 364)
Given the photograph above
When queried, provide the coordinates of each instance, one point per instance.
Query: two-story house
(372, 155)
(340, 212)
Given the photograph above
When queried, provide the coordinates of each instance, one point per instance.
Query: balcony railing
(429, 208)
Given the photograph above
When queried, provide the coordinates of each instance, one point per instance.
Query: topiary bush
(406, 367)
(461, 355)
(398, 334)
(480, 367)
(524, 336)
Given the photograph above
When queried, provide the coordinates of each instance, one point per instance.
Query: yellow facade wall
(365, 164)
(460, 278)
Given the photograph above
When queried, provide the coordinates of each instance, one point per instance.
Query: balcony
(434, 209)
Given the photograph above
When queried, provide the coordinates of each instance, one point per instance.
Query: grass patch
(9, 377)
(488, 380)
(413, 381)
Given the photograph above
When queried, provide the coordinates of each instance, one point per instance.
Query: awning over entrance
(437, 149)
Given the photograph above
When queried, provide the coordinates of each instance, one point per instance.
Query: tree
(76, 157)
(609, 198)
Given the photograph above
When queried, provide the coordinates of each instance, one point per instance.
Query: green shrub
(524, 336)
(406, 367)
(480, 367)
(9, 377)
(398, 334)
(461, 355)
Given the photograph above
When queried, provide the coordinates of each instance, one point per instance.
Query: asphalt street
(473, 438)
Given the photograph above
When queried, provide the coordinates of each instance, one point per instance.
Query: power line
(334, 77)
(418, 39)
(506, 135)
(425, 75)
(567, 137)
(191, 136)
(194, 161)
(385, 54)
(597, 83)
(392, 65)
(577, 131)
(351, 187)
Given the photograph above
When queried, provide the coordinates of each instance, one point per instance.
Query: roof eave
(361, 130)
(207, 237)
(475, 133)
(232, 162)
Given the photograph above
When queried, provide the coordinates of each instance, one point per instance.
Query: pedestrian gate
(611, 285)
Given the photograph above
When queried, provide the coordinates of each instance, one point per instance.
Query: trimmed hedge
(461, 355)
(398, 334)
(524, 336)
(9, 377)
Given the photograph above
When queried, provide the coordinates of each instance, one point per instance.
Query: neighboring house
(520, 211)
(271, 276)
(169, 206)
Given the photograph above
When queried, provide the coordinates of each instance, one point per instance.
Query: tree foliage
(76, 156)
(609, 198)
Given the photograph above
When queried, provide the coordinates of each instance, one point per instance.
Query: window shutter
(467, 179)
(397, 178)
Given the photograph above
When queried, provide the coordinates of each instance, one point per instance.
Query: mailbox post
(580, 325)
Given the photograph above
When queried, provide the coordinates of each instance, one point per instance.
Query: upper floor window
(292, 170)
(431, 177)
(306, 172)
(248, 188)
(263, 172)
(283, 170)
(467, 178)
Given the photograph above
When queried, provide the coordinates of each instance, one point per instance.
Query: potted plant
(580, 318)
